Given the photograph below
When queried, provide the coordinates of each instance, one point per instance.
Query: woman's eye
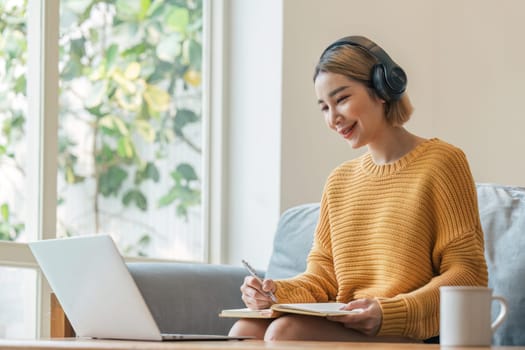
(342, 98)
(324, 108)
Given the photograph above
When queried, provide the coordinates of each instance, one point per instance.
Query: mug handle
(502, 312)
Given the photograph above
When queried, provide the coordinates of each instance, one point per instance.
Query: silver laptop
(91, 282)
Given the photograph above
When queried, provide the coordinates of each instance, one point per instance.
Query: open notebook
(311, 309)
(97, 292)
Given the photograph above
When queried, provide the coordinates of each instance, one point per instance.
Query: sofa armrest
(187, 297)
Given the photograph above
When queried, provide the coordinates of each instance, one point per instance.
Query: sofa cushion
(187, 297)
(502, 212)
(293, 241)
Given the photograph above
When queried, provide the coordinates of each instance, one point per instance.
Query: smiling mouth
(346, 132)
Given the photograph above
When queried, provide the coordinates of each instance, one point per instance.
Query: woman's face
(349, 110)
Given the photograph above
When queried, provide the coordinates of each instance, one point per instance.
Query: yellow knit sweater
(395, 232)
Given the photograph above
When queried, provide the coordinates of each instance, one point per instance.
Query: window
(13, 114)
(125, 138)
(19, 285)
(130, 125)
(18, 317)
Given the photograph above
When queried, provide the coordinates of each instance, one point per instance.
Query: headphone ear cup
(379, 82)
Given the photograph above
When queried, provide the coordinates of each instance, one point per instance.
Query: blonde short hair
(356, 64)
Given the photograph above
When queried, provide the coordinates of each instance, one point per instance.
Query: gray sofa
(186, 297)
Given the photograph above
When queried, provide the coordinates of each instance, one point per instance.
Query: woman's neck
(393, 145)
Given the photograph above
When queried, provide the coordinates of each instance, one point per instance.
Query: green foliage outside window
(13, 49)
(127, 70)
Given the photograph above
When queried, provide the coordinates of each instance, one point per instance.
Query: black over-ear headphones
(388, 79)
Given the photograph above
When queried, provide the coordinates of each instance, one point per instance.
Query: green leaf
(69, 169)
(192, 53)
(144, 240)
(182, 211)
(20, 84)
(135, 51)
(169, 47)
(72, 70)
(166, 135)
(94, 34)
(182, 193)
(113, 125)
(196, 25)
(175, 175)
(169, 198)
(111, 181)
(4, 232)
(145, 129)
(105, 155)
(144, 8)
(187, 172)
(158, 100)
(130, 10)
(96, 111)
(64, 143)
(111, 56)
(4, 210)
(184, 117)
(70, 175)
(98, 91)
(78, 47)
(156, 9)
(128, 87)
(129, 101)
(177, 19)
(150, 171)
(132, 71)
(125, 147)
(136, 197)
(18, 122)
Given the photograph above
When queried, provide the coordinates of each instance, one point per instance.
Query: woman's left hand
(367, 322)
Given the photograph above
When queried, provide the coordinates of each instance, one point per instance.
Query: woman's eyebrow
(334, 92)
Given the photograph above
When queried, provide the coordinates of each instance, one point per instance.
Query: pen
(252, 272)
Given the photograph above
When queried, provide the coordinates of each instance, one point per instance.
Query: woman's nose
(334, 117)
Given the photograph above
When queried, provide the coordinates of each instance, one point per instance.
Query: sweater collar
(370, 167)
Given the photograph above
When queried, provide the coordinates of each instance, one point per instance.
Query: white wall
(466, 70)
(253, 128)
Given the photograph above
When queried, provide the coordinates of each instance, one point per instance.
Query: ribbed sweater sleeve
(396, 232)
(318, 283)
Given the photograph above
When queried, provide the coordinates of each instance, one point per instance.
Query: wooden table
(89, 344)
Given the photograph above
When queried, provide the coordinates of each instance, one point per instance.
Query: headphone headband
(388, 79)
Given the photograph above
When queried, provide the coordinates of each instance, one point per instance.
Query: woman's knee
(249, 327)
(284, 328)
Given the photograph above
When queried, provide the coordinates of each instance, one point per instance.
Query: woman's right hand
(255, 294)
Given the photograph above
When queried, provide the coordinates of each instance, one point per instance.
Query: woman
(395, 224)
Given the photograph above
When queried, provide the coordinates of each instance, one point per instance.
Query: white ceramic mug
(465, 318)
